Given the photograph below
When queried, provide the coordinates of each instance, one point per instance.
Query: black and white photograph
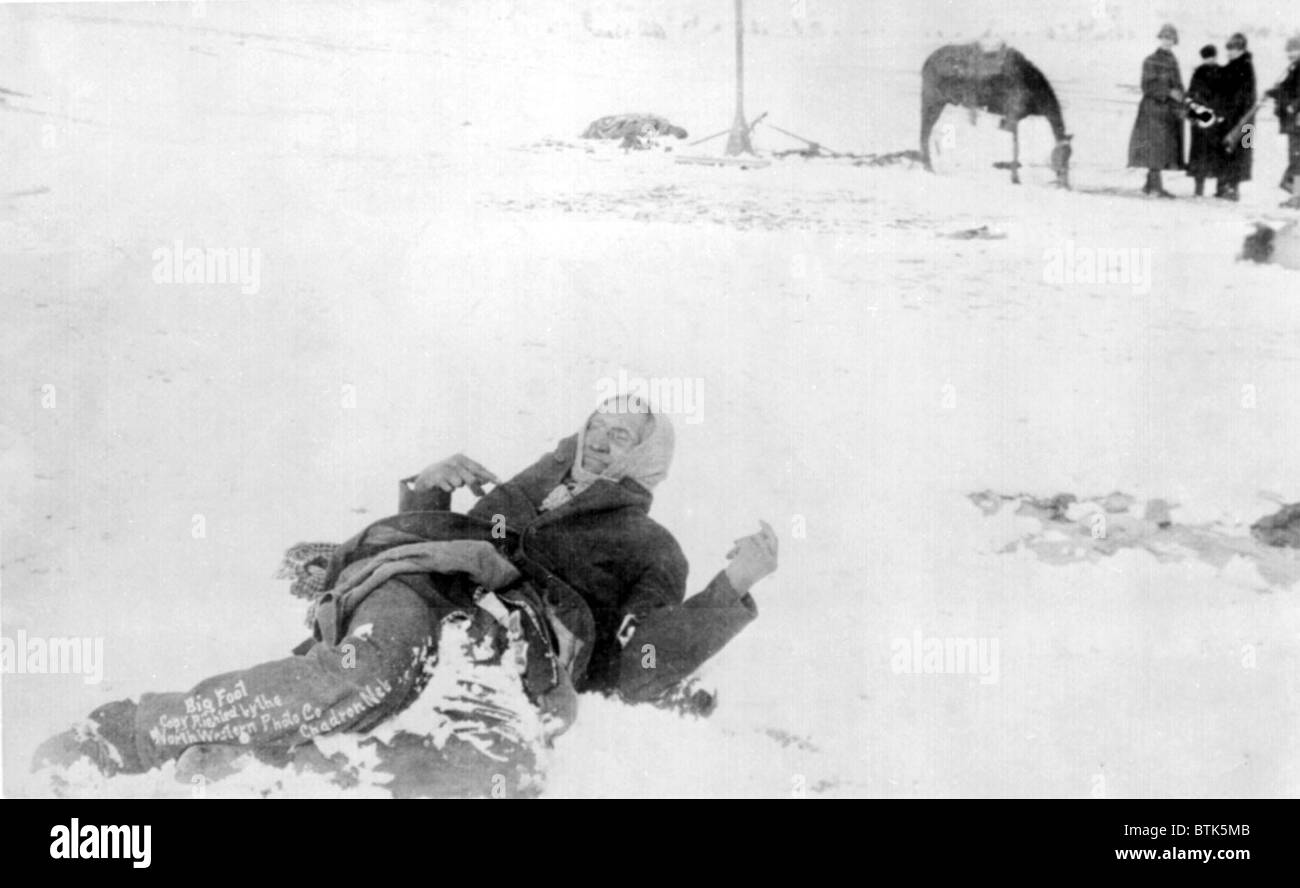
(629, 399)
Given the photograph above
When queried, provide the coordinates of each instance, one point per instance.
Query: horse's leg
(931, 109)
(1015, 152)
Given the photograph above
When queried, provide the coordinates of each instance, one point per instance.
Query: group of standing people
(1220, 102)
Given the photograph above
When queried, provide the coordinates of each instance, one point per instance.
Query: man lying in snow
(564, 554)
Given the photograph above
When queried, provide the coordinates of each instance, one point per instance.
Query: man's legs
(1291, 178)
(1155, 184)
(371, 674)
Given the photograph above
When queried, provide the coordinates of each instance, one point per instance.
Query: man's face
(1234, 53)
(1166, 43)
(609, 436)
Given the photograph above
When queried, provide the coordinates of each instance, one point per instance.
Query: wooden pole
(738, 142)
(753, 123)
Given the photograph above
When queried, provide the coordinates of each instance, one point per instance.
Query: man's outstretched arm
(665, 639)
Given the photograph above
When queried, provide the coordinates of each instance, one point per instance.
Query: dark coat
(1237, 96)
(1157, 139)
(1287, 96)
(626, 568)
(1205, 157)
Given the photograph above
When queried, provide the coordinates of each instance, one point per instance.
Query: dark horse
(1001, 81)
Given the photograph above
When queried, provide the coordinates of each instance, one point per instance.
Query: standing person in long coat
(1204, 158)
(1157, 140)
(1287, 96)
(1238, 95)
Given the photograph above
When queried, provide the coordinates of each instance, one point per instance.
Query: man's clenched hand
(752, 558)
(452, 472)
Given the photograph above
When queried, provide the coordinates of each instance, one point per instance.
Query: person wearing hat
(1204, 157)
(1157, 140)
(1286, 95)
(1237, 94)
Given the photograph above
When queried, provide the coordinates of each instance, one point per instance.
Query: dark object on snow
(1048, 509)
(808, 152)
(1053, 508)
(688, 698)
(1279, 246)
(981, 233)
(1279, 529)
(1259, 244)
(1000, 81)
(621, 126)
(889, 158)
(815, 151)
(1059, 505)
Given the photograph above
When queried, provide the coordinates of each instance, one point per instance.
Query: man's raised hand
(452, 472)
(752, 558)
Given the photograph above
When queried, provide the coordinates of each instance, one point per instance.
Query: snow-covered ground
(444, 267)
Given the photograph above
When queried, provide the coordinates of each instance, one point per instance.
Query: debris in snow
(911, 157)
(1080, 533)
(1117, 502)
(984, 232)
(1282, 528)
(1045, 509)
(1280, 246)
